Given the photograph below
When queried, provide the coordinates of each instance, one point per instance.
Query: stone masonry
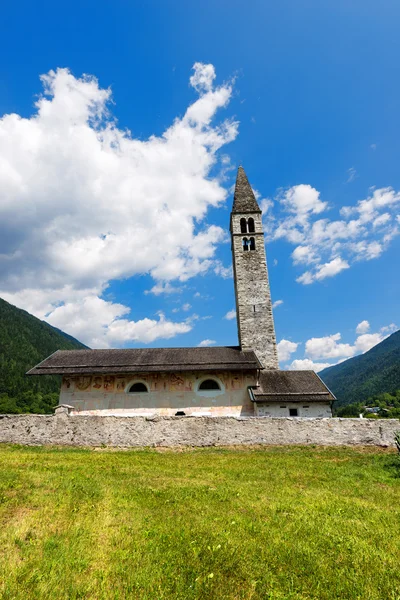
(253, 297)
(94, 431)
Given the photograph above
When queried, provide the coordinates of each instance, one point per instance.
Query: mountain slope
(25, 341)
(374, 372)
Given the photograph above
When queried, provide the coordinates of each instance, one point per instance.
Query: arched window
(209, 384)
(245, 243)
(138, 387)
(252, 243)
(243, 225)
(250, 223)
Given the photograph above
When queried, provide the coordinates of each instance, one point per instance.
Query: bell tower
(253, 297)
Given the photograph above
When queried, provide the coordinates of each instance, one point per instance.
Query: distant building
(230, 381)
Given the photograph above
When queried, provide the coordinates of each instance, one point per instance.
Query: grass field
(275, 523)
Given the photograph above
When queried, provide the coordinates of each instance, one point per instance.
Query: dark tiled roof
(244, 200)
(140, 360)
(281, 386)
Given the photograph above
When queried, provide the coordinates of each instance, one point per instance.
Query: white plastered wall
(168, 393)
(304, 409)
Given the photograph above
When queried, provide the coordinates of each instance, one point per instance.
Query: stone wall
(64, 429)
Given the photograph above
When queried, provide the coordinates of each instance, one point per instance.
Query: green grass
(274, 523)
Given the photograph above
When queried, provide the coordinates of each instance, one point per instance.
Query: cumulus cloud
(303, 199)
(331, 268)
(231, 314)
(277, 303)
(367, 341)
(328, 347)
(206, 343)
(327, 247)
(203, 77)
(363, 327)
(307, 364)
(285, 349)
(104, 324)
(83, 202)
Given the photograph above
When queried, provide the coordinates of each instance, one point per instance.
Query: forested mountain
(24, 342)
(375, 372)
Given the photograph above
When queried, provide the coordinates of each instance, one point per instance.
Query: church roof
(289, 386)
(141, 360)
(244, 200)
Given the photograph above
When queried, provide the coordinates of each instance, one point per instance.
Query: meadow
(264, 523)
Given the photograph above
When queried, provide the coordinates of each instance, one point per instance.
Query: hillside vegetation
(213, 524)
(359, 378)
(380, 406)
(24, 342)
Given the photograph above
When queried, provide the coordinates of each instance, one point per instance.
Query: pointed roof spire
(244, 200)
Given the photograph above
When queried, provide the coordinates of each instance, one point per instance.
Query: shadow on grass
(392, 465)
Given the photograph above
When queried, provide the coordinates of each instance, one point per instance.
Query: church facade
(226, 381)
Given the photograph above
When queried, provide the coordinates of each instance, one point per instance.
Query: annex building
(244, 380)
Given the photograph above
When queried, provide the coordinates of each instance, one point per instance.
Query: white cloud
(186, 306)
(285, 349)
(231, 314)
(363, 327)
(389, 328)
(382, 220)
(367, 341)
(302, 199)
(351, 175)
(331, 347)
(102, 324)
(224, 272)
(327, 246)
(306, 278)
(306, 364)
(206, 343)
(265, 204)
(277, 303)
(328, 347)
(83, 203)
(304, 255)
(163, 288)
(203, 77)
(331, 268)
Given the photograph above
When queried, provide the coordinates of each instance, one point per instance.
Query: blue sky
(308, 95)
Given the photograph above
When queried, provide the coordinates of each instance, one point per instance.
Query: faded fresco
(168, 393)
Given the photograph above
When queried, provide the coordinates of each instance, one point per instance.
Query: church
(242, 380)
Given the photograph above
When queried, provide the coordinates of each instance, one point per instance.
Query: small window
(251, 225)
(180, 413)
(243, 226)
(282, 407)
(306, 407)
(293, 412)
(137, 388)
(245, 243)
(252, 244)
(209, 384)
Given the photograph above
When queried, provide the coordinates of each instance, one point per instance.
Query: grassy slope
(24, 342)
(278, 523)
(374, 372)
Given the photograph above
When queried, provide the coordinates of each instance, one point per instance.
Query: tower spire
(244, 200)
(253, 298)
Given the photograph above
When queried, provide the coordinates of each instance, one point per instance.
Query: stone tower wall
(253, 298)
